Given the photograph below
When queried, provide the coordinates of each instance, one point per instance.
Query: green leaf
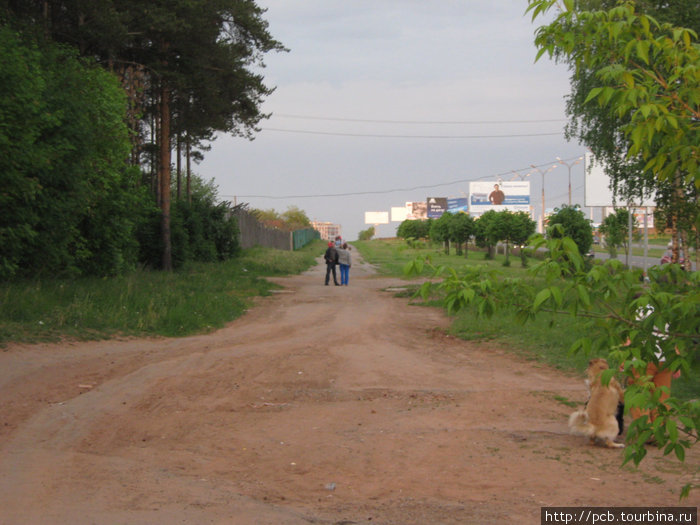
(556, 295)
(680, 452)
(643, 50)
(687, 421)
(685, 491)
(672, 430)
(583, 294)
(541, 297)
(425, 290)
(628, 79)
(595, 92)
(468, 295)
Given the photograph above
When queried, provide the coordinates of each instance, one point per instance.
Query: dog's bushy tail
(578, 424)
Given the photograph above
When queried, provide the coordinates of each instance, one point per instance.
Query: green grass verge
(546, 339)
(391, 255)
(196, 299)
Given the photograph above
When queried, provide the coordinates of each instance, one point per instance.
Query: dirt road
(323, 405)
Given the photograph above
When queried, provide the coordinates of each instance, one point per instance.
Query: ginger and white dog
(599, 420)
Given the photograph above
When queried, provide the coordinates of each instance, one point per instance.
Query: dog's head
(595, 367)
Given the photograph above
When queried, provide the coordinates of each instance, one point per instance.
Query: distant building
(328, 230)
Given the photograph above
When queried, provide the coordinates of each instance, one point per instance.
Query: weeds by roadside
(196, 299)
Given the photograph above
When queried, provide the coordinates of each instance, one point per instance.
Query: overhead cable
(381, 192)
(414, 122)
(391, 136)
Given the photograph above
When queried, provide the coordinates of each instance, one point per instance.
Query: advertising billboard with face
(417, 210)
(507, 195)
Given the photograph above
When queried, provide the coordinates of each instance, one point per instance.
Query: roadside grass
(199, 298)
(547, 339)
(391, 255)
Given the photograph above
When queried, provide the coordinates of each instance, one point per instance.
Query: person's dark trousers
(331, 268)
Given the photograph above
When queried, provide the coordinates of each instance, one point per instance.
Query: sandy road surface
(323, 405)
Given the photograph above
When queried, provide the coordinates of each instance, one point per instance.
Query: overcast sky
(379, 102)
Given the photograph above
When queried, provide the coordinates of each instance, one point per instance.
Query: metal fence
(254, 233)
(301, 238)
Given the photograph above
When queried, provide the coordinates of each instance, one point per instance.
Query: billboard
(416, 210)
(639, 215)
(376, 217)
(459, 204)
(399, 213)
(597, 192)
(436, 207)
(507, 195)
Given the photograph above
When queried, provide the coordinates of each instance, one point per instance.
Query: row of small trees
(514, 229)
(511, 228)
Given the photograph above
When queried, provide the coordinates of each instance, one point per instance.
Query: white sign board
(399, 214)
(376, 217)
(597, 192)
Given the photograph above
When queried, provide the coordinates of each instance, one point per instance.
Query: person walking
(345, 262)
(331, 258)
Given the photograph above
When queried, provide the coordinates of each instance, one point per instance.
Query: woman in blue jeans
(345, 261)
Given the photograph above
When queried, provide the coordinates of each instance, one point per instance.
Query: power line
(375, 135)
(382, 192)
(413, 122)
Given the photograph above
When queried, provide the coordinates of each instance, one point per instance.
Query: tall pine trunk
(187, 182)
(178, 168)
(164, 168)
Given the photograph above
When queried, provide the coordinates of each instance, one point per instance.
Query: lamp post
(535, 168)
(570, 166)
(518, 175)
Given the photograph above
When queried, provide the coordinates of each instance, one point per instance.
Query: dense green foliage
(462, 228)
(414, 229)
(574, 224)
(635, 96)
(69, 202)
(615, 230)
(86, 86)
(366, 235)
(292, 219)
(642, 76)
(440, 230)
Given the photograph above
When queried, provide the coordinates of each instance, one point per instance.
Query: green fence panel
(301, 238)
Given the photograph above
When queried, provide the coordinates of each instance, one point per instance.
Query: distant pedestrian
(331, 258)
(345, 262)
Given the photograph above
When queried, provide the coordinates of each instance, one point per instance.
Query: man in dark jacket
(331, 258)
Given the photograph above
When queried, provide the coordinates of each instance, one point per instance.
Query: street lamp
(535, 168)
(518, 175)
(570, 166)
